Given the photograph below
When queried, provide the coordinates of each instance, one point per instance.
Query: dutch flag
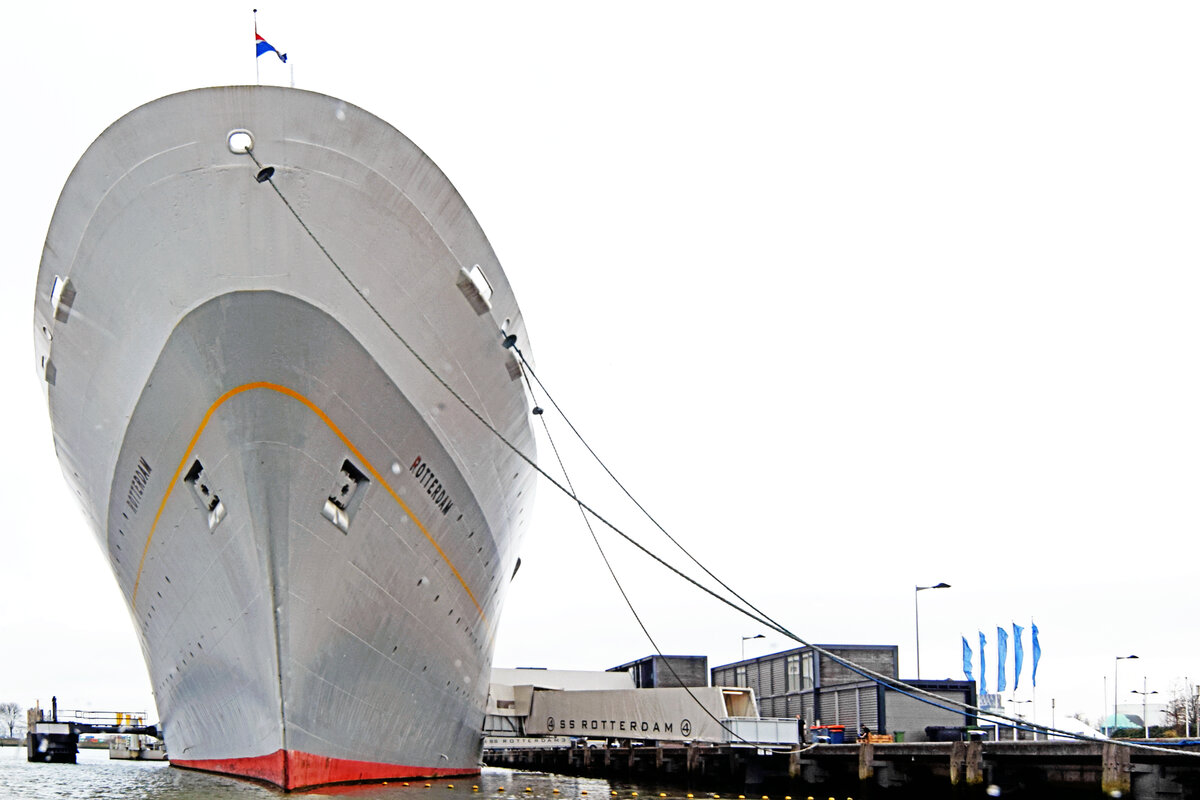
(263, 46)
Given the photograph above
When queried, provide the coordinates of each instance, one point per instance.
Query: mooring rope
(266, 175)
(613, 573)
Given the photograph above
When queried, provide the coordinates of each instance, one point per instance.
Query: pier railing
(106, 719)
(763, 731)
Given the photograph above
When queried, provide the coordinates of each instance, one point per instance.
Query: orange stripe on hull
(293, 769)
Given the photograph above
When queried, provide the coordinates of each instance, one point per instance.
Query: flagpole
(257, 79)
(1034, 690)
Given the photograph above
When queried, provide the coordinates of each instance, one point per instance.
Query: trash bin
(899, 735)
(837, 734)
(820, 733)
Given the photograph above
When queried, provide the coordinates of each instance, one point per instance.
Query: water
(97, 778)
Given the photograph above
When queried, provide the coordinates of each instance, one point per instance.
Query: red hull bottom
(292, 769)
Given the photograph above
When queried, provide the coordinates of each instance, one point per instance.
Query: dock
(53, 737)
(1036, 768)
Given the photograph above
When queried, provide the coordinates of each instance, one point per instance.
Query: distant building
(665, 672)
(653, 699)
(805, 683)
(510, 693)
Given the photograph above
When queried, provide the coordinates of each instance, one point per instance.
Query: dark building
(663, 672)
(807, 684)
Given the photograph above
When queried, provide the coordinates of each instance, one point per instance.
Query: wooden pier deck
(926, 769)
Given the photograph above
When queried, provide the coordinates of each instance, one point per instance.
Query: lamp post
(917, 618)
(1114, 716)
(745, 638)
(1019, 715)
(1145, 704)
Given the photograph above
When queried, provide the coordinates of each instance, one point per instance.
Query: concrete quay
(924, 769)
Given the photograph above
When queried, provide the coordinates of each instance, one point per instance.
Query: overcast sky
(853, 297)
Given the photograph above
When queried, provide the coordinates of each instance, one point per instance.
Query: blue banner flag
(967, 660)
(1001, 658)
(982, 665)
(1018, 655)
(1037, 653)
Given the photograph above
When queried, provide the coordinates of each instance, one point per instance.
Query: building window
(739, 676)
(793, 673)
(806, 671)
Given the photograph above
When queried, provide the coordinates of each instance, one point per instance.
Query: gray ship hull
(313, 536)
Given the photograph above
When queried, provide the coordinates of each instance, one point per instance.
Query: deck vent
(210, 503)
(346, 496)
(475, 287)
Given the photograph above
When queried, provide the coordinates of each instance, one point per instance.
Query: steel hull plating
(313, 536)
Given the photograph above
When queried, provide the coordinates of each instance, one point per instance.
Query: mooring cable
(616, 580)
(916, 693)
(628, 494)
(266, 175)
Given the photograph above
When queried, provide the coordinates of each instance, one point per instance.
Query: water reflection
(95, 776)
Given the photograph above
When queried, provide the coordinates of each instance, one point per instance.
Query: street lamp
(744, 640)
(1144, 694)
(917, 618)
(1114, 716)
(1017, 714)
